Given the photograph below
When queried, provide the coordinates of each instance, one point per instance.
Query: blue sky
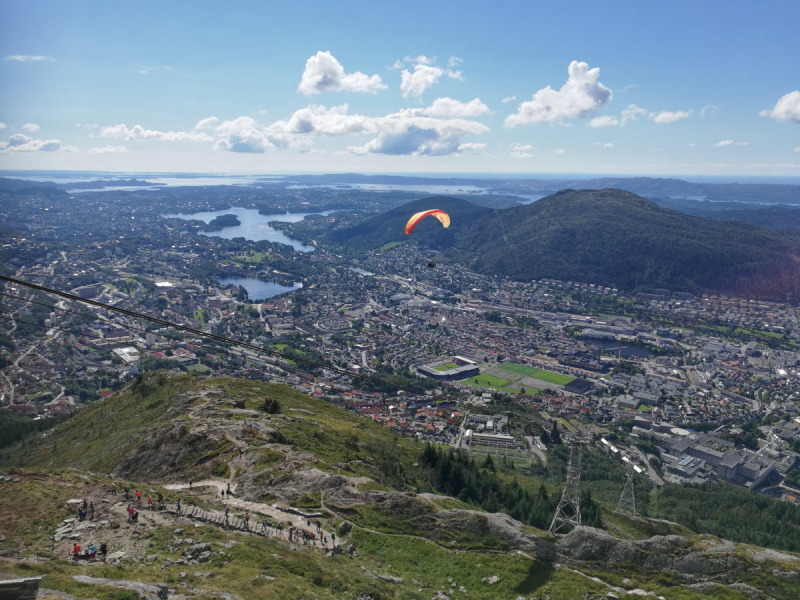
(575, 87)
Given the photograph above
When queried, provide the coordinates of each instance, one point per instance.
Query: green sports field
(537, 373)
(490, 381)
(446, 367)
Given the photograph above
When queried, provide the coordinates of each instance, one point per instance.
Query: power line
(191, 330)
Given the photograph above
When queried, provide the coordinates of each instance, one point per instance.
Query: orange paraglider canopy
(443, 217)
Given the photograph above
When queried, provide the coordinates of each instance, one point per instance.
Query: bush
(271, 406)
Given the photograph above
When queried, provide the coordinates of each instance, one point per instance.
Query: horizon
(698, 178)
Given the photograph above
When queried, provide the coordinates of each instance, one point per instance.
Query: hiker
(149, 502)
(113, 489)
(160, 499)
(264, 528)
(227, 510)
(229, 489)
(246, 521)
(76, 552)
(178, 504)
(135, 516)
(127, 494)
(103, 550)
(80, 514)
(139, 497)
(333, 539)
(92, 552)
(190, 483)
(131, 510)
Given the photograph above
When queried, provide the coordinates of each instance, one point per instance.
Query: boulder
(345, 527)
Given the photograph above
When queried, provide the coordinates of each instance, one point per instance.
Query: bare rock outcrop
(656, 553)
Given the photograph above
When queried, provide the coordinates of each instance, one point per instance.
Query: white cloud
(522, 147)
(471, 146)
(28, 58)
(709, 109)
(3, 125)
(797, 149)
(22, 143)
(786, 109)
(30, 127)
(691, 145)
(435, 130)
(138, 133)
(423, 77)
(406, 132)
(70, 149)
(454, 62)
(109, 150)
(609, 145)
(742, 143)
(580, 97)
(244, 135)
(560, 151)
(723, 143)
(632, 113)
(666, 116)
(208, 123)
(447, 107)
(522, 155)
(604, 121)
(508, 99)
(323, 73)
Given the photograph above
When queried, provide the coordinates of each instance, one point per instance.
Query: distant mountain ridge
(610, 237)
(768, 193)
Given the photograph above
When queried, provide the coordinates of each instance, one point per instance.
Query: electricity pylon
(627, 501)
(568, 513)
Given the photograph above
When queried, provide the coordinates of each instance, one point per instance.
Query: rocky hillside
(311, 469)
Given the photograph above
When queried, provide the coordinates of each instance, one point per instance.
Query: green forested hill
(610, 237)
(389, 227)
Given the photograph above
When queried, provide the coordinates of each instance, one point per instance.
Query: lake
(257, 289)
(255, 227)
(628, 349)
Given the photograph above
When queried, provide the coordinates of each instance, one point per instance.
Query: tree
(350, 445)
(488, 463)
(271, 406)
(555, 436)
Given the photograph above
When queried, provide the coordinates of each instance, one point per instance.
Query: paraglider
(443, 217)
(431, 264)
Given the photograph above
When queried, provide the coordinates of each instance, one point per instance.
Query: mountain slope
(610, 237)
(389, 543)
(389, 227)
(621, 239)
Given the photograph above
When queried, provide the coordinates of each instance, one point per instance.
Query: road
(536, 450)
(650, 470)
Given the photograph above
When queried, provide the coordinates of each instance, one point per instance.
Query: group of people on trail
(85, 509)
(89, 553)
(309, 537)
(133, 514)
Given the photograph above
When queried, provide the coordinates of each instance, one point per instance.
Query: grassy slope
(41, 496)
